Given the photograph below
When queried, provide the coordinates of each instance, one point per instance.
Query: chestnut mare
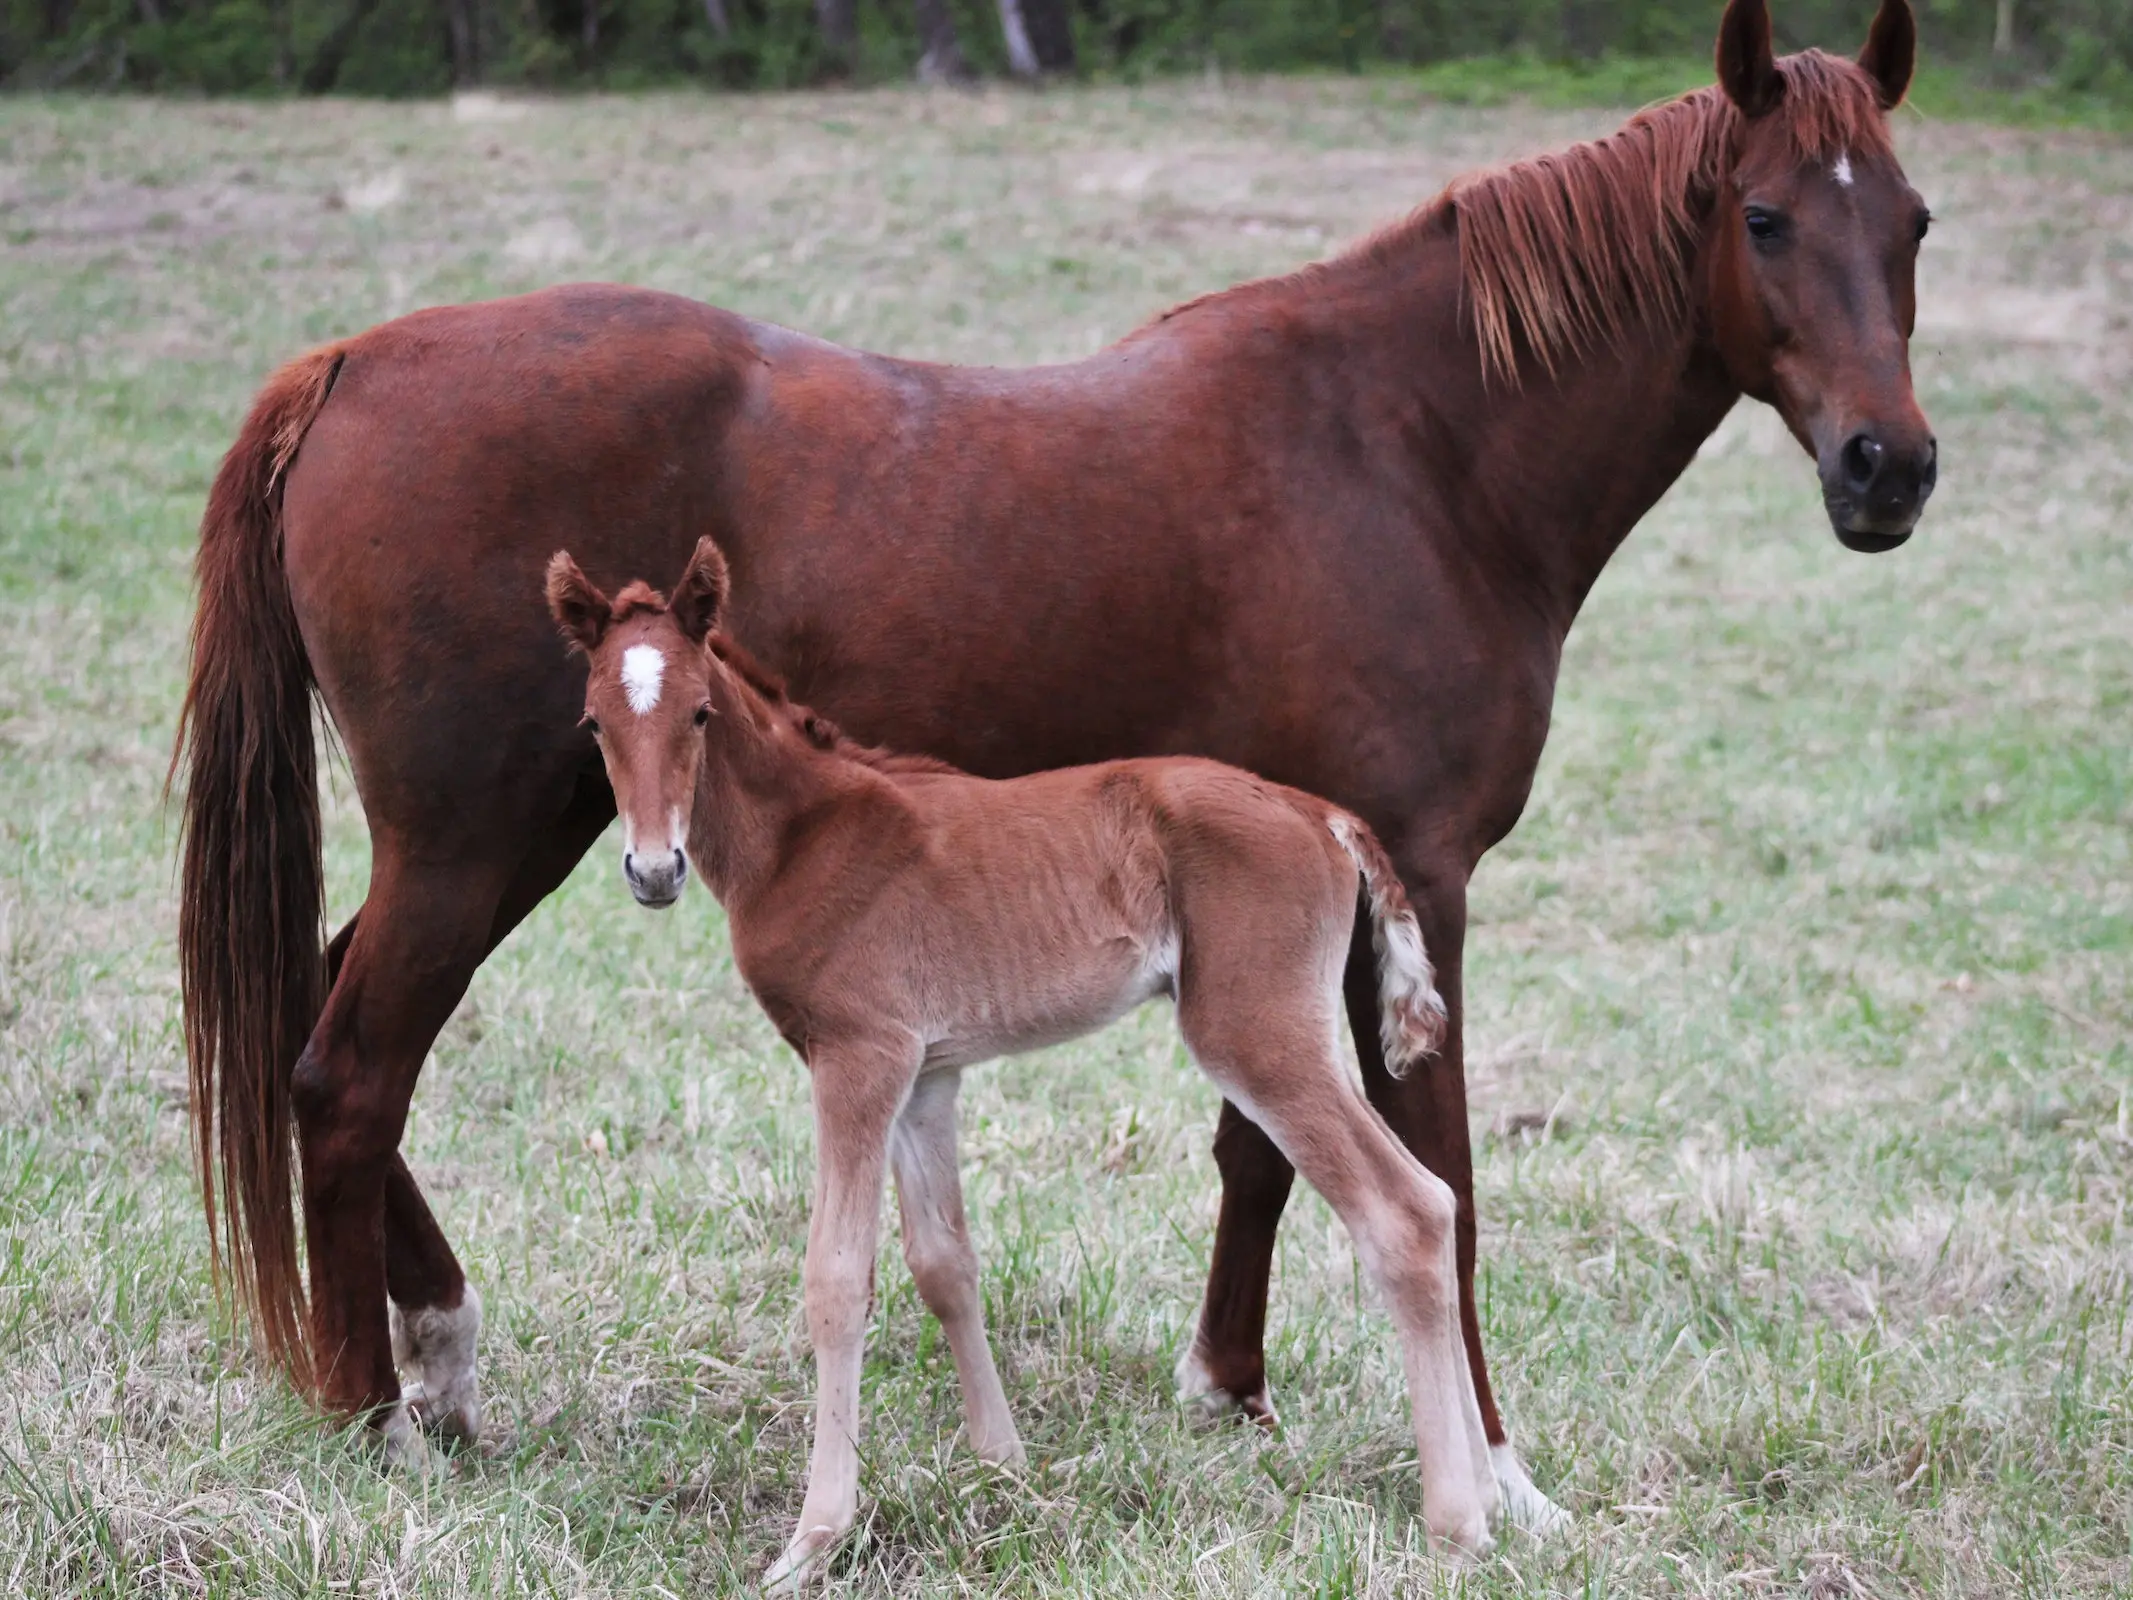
(1332, 528)
(901, 921)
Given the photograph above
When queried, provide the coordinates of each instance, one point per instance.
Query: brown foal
(901, 920)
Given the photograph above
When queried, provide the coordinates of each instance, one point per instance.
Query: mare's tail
(1411, 1018)
(250, 950)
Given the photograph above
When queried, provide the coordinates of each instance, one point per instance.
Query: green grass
(1961, 91)
(1802, 996)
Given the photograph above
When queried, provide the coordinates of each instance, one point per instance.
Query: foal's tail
(1411, 1017)
(250, 952)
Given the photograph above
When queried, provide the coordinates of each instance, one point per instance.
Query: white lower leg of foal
(1525, 1507)
(929, 1201)
(1406, 1247)
(433, 1346)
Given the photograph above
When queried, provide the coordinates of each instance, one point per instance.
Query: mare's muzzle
(1875, 486)
(655, 877)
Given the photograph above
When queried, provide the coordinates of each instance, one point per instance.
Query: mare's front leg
(859, 1089)
(929, 1197)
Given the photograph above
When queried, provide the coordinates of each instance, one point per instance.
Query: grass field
(1800, 1002)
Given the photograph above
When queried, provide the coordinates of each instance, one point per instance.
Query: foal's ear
(1747, 67)
(580, 610)
(1891, 51)
(701, 594)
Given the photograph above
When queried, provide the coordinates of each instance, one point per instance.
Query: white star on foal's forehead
(1842, 172)
(642, 668)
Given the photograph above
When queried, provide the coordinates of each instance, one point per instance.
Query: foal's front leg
(929, 1197)
(858, 1091)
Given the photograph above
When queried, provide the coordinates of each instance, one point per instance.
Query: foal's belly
(1033, 1010)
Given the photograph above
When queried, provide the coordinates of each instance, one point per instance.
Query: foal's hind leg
(929, 1196)
(1280, 1064)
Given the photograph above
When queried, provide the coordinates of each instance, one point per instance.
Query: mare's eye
(703, 713)
(1763, 225)
(1925, 221)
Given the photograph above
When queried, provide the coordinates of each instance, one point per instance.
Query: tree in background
(426, 46)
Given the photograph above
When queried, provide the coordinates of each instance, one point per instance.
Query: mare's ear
(1891, 51)
(1747, 67)
(701, 594)
(580, 610)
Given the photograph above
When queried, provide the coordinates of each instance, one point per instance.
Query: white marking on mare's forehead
(1842, 171)
(642, 669)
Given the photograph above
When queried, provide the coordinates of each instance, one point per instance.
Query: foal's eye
(1763, 226)
(703, 713)
(1925, 221)
(590, 724)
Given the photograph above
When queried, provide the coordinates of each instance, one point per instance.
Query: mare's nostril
(1931, 473)
(1862, 462)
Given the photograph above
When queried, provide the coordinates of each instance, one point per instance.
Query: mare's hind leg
(929, 1198)
(435, 1314)
(422, 932)
(1277, 1059)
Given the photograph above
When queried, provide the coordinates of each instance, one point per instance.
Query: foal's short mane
(1565, 252)
(817, 729)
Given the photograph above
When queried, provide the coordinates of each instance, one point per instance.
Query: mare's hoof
(404, 1450)
(1524, 1506)
(1198, 1389)
(433, 1346)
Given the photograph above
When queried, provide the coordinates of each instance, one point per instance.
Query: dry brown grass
(1801, 998)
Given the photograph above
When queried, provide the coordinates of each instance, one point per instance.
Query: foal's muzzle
(655, 877)
(1875, 488)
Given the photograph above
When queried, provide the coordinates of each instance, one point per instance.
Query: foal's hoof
(433, 1346)
(801, 1559)
(1524, 1506)
(1199, 1390)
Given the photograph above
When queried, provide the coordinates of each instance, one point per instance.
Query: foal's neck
(760, 779)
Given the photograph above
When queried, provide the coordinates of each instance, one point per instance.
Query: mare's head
(1814, 238)
(653, 687)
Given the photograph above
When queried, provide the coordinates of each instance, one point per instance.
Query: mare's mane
(1565, 252)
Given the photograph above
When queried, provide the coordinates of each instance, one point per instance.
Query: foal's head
(1816, 236)
(654, 689)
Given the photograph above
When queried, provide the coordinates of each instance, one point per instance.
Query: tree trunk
(463, 28)
(715, 15)
(2003, 29)
(325, 68)
(839, 23)
(941, 59)
(1039, 35)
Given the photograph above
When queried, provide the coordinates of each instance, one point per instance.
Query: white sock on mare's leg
(434, 1348)
(1196, 1388)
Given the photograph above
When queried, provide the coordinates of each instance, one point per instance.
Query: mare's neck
(1536, 482)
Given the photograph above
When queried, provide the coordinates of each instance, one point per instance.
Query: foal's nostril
(1862, 460)
(1929, 475)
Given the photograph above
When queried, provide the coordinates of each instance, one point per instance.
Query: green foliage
(1556, 50)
